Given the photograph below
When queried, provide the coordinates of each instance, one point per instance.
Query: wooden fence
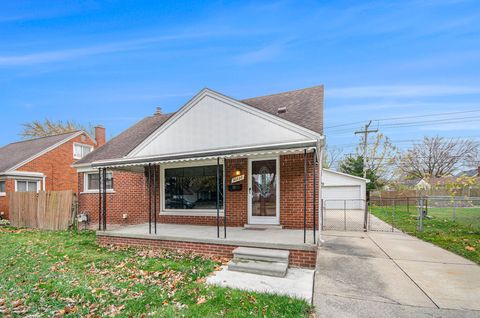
(49, 210)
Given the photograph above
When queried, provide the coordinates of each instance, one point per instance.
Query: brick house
(44, 164)
(218, 162)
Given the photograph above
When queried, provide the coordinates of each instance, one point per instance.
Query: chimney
(100, 135)
(158, 111)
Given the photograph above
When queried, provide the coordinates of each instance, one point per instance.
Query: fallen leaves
(470, 248)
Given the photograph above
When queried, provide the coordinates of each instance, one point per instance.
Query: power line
(407, 117)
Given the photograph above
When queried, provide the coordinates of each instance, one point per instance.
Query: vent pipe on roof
(158, 111)
(282, 110)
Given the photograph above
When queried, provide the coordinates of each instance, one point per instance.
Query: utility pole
(365, 133)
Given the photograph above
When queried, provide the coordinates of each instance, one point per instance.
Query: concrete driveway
(378, 274)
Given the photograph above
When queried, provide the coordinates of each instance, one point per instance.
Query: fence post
(393, 215)
(344, 215)
(365, 217)
(454, 209)
(321, 214)
(420, 218)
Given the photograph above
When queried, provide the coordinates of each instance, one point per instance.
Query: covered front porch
(203, 240)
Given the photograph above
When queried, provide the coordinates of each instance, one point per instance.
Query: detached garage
(341, 190)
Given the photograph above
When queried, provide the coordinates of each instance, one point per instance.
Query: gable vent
(282, 110)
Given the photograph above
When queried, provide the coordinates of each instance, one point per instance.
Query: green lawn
(47, 274)
(461, 237)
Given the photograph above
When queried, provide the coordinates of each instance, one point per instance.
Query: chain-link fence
(414, 214)
(464, 211)
(344, 215)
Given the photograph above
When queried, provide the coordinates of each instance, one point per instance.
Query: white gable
(211, 121)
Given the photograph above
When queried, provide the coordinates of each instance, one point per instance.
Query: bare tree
(331, 157)
(437, 156)
(48, 127)
(381, 156)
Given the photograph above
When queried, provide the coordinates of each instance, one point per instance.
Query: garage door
(338, 197)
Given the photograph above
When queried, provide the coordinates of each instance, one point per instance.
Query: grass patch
(461, 237)
(47, 274)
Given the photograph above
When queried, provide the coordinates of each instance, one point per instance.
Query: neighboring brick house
(264, 148)
(44, 164)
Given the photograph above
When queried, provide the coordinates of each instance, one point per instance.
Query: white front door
(263, 191)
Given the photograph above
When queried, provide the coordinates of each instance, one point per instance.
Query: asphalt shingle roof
(17, 152)
(304, 107)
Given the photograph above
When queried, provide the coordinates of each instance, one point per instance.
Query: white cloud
(112, 47)
(265, 53)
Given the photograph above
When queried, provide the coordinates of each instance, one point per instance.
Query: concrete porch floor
(239, 236)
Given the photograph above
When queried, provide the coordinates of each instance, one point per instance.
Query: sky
(412, 67)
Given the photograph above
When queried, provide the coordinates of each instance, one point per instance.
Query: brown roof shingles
(17, 152)
(304, 107)
(122, 144)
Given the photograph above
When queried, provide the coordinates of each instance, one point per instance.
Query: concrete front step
(275, 269)
(261, 254)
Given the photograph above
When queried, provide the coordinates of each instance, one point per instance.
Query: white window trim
(186, 212)
(27, 180)
(85, 183)
(80, 144)
(2, 194)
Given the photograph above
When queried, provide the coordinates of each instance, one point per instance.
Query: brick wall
(298, 258)
(56, 165)
(131, 197)
(291, 191)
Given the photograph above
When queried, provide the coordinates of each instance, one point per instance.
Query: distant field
(461, 237)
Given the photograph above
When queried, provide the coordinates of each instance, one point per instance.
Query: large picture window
(192, 188)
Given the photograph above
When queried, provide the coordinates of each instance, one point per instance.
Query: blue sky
(113, 62)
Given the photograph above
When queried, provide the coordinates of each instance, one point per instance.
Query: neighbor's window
(91, 182)
(27, 186)
(192, 188)
(80, 150)
(2, 187)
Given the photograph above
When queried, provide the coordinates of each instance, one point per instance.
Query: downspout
(43, 183)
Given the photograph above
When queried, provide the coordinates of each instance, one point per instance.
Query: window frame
(85, 183)
(187, 212)
(3, 193)
(81, 145)
(27, 182)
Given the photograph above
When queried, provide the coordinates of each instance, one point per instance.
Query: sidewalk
(392, 275)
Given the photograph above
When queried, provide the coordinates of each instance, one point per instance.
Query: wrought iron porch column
(99, 199)
(104, 199)
(314, 211)
(218, 197)
(149, 198)
(155, 185)
(304, 195)
(224, 199)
